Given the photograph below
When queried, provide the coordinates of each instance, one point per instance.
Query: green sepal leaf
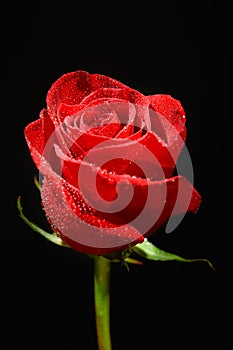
(134, 261)
(36, 182)
(149, 251)
(52, 237)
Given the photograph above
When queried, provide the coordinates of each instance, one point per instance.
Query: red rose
(107, 155)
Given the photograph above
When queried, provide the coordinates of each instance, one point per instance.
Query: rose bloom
(107, 158)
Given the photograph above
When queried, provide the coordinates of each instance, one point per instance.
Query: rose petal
(71, 88)
(81, 233)
(41, 137)
(100, 122)
(34, 135)
(130, 155)
(170, 108)
(175, 193)
(73, 218)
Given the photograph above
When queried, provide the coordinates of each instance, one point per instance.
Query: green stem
(102, 301)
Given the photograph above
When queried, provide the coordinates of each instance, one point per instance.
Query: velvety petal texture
(107, 157)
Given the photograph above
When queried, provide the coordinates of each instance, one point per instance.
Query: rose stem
(102, 302)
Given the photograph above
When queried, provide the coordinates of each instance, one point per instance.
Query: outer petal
(84, 232)
(34, 136)
(91, 231)
(170, 108)
(116, 197)
(68, 212)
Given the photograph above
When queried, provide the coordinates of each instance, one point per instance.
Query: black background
(176, 48)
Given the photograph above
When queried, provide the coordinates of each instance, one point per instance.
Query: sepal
(52, 237)
(36, 182)
(149, 251)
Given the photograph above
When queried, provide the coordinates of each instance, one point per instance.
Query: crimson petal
(78, 233)
(71, 88)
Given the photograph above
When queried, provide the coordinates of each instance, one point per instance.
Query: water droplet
(111, 181)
